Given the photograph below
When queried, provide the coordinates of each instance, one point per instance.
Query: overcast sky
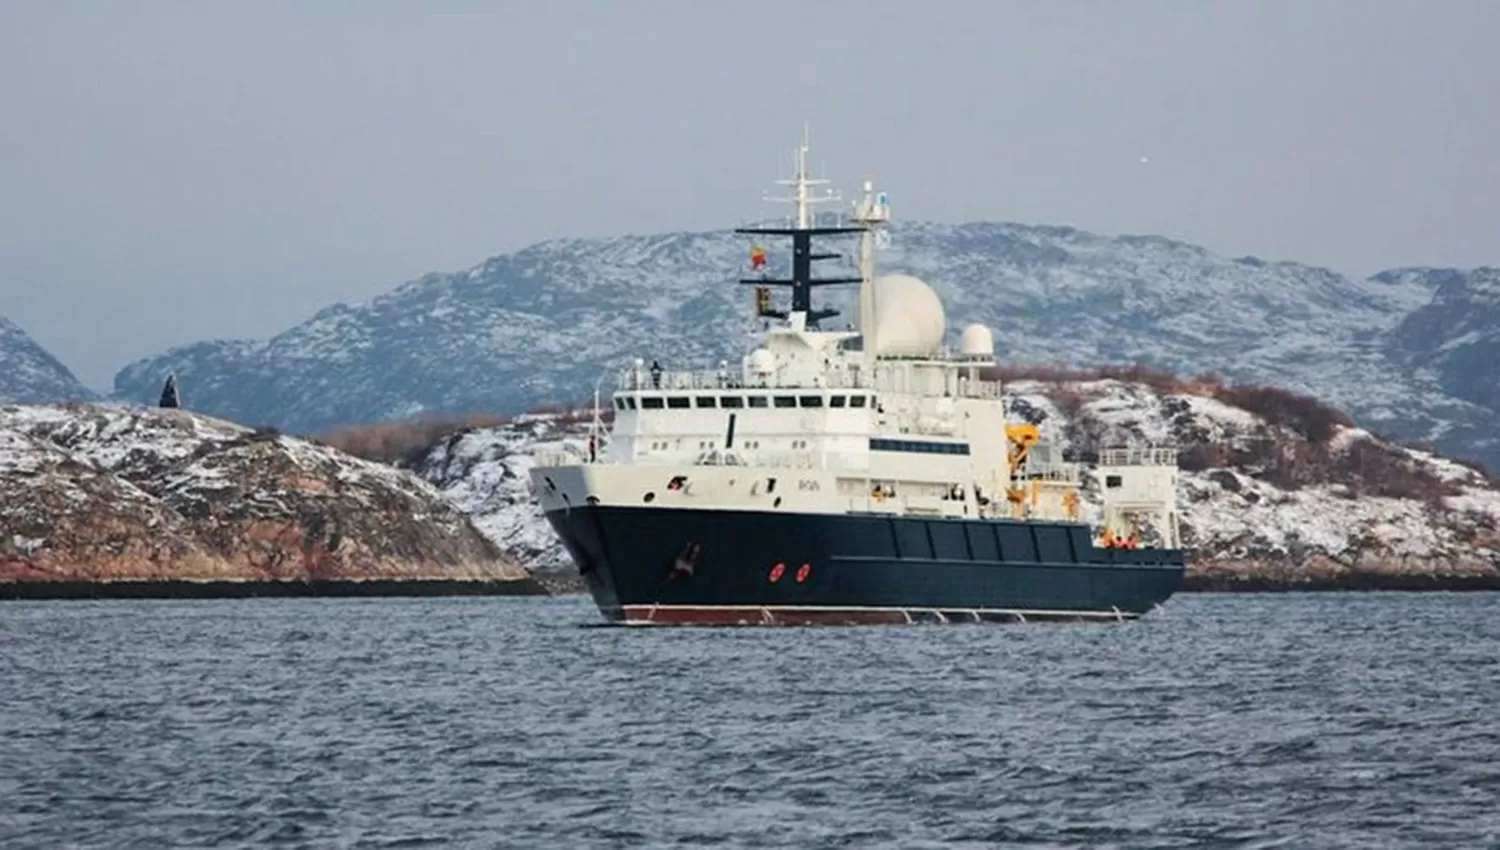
(171, 172)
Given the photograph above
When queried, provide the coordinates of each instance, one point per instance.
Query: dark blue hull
(646, 564)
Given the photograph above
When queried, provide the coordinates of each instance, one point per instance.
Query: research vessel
(863, 474)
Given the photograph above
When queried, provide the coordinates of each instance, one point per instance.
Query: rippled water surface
(1339, 720)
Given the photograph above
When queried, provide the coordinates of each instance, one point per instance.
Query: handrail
(1138, 456)
(712, 380)
(666, 381)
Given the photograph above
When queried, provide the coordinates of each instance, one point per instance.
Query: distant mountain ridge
(28, 373)
(1402, 350)
(1455, 337)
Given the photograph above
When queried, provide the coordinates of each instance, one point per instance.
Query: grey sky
(179, 171)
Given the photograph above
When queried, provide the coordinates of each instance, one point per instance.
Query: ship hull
(713, 567)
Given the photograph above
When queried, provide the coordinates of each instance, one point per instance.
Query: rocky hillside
(105, 494)
(1454, 339)
(28, 374)
(540, 325)
(1277, 490)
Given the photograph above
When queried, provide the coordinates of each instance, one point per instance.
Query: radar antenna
(802, 181)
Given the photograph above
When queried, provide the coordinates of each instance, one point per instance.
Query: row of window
(878, 444)
(681, 402)
(663, 445)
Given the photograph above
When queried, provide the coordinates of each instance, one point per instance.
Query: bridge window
(677, 401)
(630, 402)
(922, 446)
(651, 403)
(731, 401)
(812, 401)
(757, 401)
(836, 401)
(857, 400)
(704, 401)
(786, 401)
(619, 404)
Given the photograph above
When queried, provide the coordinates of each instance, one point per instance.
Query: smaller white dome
(762, 362)
(976, 341)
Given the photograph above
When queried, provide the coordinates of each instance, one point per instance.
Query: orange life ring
(803, 572)
(776, 572)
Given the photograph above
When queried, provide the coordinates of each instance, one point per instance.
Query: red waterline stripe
(786, 615)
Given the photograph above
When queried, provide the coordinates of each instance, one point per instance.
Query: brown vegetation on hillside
(406, 442)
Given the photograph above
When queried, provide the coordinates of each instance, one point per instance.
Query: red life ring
(803, 572)
(776, 572)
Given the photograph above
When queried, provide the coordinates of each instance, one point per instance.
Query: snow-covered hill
(1282, 495)
(102, 493)
(484, 471)
(540, 325)
(28, 374)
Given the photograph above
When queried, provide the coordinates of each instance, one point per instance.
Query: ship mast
(803, 182)
(802, 228)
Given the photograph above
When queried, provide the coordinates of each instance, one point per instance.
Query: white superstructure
(883, 419)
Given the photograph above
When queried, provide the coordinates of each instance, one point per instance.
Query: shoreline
(269, 589)
(552, 585)
(1353, 582)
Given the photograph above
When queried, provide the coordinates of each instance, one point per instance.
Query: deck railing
(630, 379)
(1138, 456)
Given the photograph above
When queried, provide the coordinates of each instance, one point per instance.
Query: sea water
(1308, 721)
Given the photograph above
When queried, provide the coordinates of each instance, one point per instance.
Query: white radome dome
(976, 341)
(762, 362)
(909, 318)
